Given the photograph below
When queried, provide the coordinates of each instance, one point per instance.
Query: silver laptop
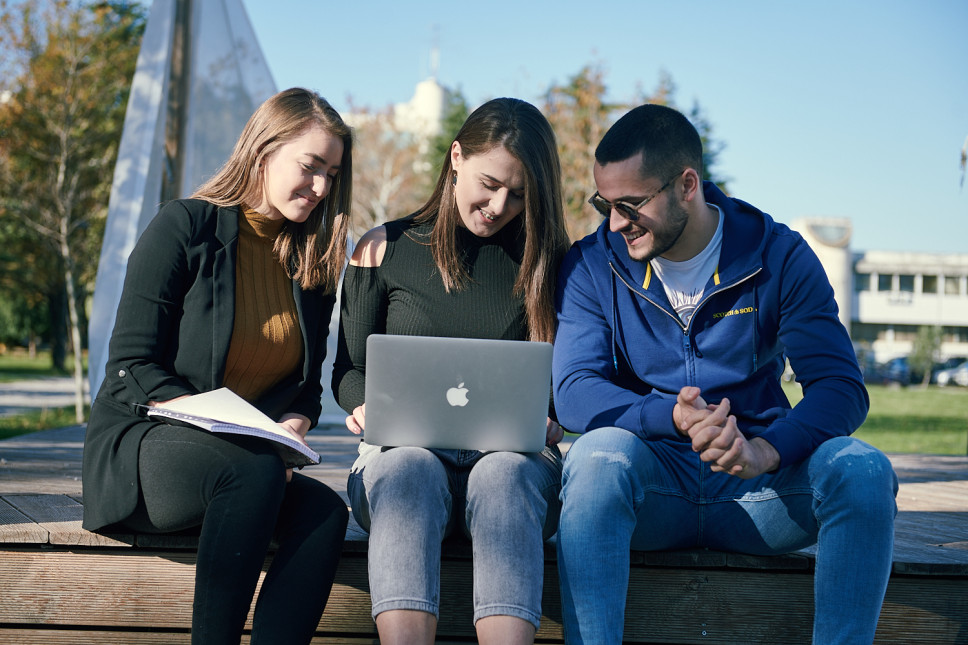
(466, 393)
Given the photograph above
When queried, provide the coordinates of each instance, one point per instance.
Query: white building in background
(830, 240)
(884, 296)
(895, 293)
(423, 114)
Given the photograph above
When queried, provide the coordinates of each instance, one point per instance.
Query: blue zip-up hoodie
(622, 354)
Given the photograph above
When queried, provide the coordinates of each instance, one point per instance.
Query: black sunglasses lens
(627, 211)
(603, 207)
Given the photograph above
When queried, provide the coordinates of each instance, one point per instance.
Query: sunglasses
(629, 211)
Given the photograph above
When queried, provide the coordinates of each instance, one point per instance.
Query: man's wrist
(767, 455)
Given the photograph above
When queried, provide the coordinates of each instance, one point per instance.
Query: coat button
(122, 373)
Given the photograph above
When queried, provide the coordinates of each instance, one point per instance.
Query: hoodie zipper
(686, 329)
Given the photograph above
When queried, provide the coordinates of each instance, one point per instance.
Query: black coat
(171, 338)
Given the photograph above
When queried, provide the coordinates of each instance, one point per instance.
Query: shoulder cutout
(369, 250)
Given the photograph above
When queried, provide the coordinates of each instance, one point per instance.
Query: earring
(454, 180)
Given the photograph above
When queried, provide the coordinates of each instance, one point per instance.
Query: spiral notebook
(223, 410)
(464, 393)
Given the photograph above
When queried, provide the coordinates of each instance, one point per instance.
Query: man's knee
(601, 452)
(858, 469)
(600, 472)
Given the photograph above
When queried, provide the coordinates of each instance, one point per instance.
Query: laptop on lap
(457, 393)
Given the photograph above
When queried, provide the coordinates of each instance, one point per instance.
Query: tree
(25, 314)
(70, 67)
(580, 115)
(924, 353)
(387, 178)
(665, 94)
(455, 113)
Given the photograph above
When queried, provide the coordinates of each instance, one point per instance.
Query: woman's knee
(406, 482)
(501, 471)
(515, 488)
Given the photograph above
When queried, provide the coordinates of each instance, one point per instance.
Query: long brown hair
(526, 134)
(312, 252)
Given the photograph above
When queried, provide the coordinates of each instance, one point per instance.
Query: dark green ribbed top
(405, 295)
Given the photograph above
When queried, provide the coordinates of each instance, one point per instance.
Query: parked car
(897, 370)
(956, 375)
(946, 365)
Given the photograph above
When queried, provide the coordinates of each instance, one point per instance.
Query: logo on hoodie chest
(733, 312)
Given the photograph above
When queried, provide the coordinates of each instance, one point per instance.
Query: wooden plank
(94, 637)
(927, 542)
(60, 516)
(17, 528)
(924, 610)
(679, 606)
(130, 590)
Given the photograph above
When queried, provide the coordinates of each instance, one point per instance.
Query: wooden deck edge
(56, 520)
(149, 593)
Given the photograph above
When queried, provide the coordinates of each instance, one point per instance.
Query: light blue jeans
(410, 499)
(620, 492)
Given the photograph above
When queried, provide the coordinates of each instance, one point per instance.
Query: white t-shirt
(684, 282)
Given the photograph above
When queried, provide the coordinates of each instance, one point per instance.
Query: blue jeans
(620, 492)
(410, 499)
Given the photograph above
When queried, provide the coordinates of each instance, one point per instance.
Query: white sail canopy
(200, 75)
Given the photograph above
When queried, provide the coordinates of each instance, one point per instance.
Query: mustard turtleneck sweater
(266, 341)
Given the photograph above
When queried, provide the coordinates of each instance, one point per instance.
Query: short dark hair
(669, 143)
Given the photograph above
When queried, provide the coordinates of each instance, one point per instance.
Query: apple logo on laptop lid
(457, 396)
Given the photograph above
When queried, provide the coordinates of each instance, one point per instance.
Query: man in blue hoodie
(674, 321)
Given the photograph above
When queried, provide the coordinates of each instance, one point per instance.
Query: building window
(884, 282)
(955, 335)
(929, 284)
(905, 332)
(951, 285)
(862, 282)
(906, 283)
(868, 332)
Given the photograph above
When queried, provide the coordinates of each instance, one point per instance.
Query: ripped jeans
(620, 492)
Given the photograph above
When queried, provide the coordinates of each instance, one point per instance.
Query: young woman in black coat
(233, 287)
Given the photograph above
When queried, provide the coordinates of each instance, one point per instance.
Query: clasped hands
(717, 439)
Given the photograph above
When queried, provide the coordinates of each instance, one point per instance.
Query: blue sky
(827, 108)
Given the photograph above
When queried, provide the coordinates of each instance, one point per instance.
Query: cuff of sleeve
(655, 421)
(791, 443)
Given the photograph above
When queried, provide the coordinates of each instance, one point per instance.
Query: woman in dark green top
(478, 260)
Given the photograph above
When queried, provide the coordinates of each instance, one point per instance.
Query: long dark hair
(526, 134)
(312, 252)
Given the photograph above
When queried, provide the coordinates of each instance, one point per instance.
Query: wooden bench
(61, 584)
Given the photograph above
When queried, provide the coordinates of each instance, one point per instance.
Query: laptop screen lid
(463, 393)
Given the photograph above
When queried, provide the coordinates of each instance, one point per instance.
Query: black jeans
(235, 489)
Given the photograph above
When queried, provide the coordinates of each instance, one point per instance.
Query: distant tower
(423, 114)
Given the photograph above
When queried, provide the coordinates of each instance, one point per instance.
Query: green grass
(17, 365)
(916, 420)
(38, 420)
